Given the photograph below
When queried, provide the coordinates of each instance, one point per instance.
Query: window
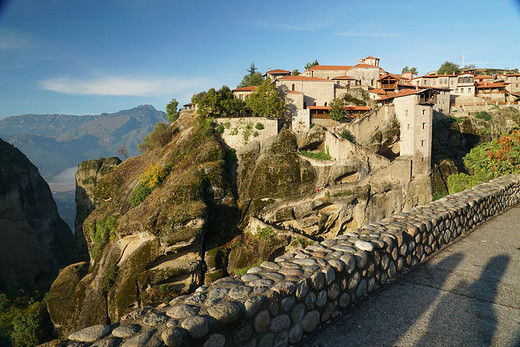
(424, 125)
(325, 104)
(469, 90)
(423, 112)
(422, 143)
(292, 87)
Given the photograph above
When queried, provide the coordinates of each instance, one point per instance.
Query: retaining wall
(277, 303)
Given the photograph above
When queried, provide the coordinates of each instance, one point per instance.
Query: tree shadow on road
(465, 316)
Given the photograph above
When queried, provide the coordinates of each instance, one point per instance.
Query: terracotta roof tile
(484, 85)
(245, 89)
(303, 78)
(278, 71)
(349, 108)
(343, 78)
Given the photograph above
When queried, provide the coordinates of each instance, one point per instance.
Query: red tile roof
(370, 57)
(245, 89)
(484, 85)
(349, 108)
(343, 78)
(303, 78)
(510, 74)
(278, 71)
(366, 66)
(294, 92)
(482, 77)
(404, 92)
(330, 67)
(377, 91)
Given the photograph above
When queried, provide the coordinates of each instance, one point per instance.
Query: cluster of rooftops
(317, 86)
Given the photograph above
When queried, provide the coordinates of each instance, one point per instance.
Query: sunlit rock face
(35, 241)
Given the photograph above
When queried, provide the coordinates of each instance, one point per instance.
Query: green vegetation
(153, 177)
(346, 193)
(172, 113)
(322, 155)
(196, 98)
(448, 68)
(350, 99)
(456, 119)
(24, 320)
(247, 132)
(295, 72)
(303, 242)
(243, 270)
(102, 231)
(266, 233)
(253, 77)
(259, 126)
(220, 103)
(337, 109)
(160, 136)
(311, 64)
(347, 135)
(413, 70)
(220, 129)
(109, 278)
(267, 101)
(489, 160)
(483, 115)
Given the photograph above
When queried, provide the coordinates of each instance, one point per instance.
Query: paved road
(467, 295)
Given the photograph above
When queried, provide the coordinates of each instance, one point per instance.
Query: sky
(89, 57)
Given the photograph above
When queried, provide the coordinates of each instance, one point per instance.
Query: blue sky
(88, 57)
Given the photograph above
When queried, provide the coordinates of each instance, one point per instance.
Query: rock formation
(35, 241)
(88, 174)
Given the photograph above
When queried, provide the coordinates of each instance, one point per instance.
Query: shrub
(264, 233)
(109, 278)
(102, 231)
(160, 136)
(347, 135)
(259, 126)
(316, 155)
(483, 115)
(220, 129)
(140, 193)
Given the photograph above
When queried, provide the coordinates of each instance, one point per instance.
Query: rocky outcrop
(35, 241)
(148, 252)
(88, 174)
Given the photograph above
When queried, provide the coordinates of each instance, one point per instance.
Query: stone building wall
(277, 303)
(416, 132)
(315, 92)
(238, 132)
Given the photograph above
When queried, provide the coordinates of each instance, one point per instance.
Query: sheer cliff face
(145, 253)
(35, 241)
(88, 174)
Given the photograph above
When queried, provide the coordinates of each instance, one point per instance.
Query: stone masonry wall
(277, 303)
(238, 132)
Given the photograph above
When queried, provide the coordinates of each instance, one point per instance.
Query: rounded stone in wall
(321, 298)
(297, 312)
(262, 321)
(215, 340)
(310, 321)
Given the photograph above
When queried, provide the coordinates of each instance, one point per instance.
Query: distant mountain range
(56, 142)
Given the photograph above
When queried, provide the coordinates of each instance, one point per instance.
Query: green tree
(337, 109)
(172, 113)
(267, 101)
(295, 72)
(195, 98)
(405, 69)
(253, 77)
(448, 68)
(311, 64)
(414, 70)
(220, 103)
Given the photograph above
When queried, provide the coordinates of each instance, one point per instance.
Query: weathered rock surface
(151, 252)
(88, 174)
(35, 241)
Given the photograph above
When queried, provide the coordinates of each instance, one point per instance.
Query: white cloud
(362, 34)
(9, 40)
(121, 86)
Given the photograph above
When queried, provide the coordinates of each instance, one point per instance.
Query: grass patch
(266, 233)
(322, 155)
(346, 193)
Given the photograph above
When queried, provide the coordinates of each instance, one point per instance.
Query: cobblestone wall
(277, 303)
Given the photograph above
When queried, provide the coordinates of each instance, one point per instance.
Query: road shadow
(465, 316)
(385, 318)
